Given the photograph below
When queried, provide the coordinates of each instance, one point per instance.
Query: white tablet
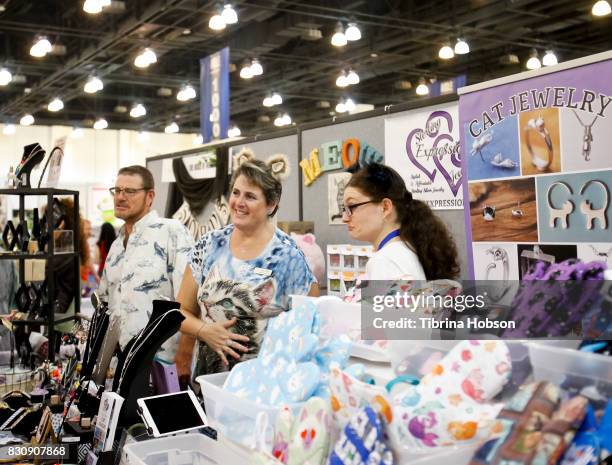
(172, 413)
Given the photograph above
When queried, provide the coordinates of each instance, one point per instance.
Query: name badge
(263, 271)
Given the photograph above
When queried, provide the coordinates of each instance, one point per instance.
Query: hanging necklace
(587, 138)
(388, 237)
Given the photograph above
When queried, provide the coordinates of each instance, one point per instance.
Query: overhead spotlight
(268, 101)
(550, 59)
(278, 121)
(187, 92)
(5, 76)
(534, 61)
(41, 47)
(422, 88)
(9, 129)
(349, 104)
(26, 120)
(143, 136)
(339, 38)
(341, 107)
(229, 15)
(198, 140)
(216, 22)
(93, 85)
(172, 128)
(145, 58)
(100, 123)
(352, 32)
(276, 99)
(462, 47)
(352, 77)
(286, 119)
(446, 52)
(342, 80)
(77, 133)
(138, 110)
(234, 131)
(601, 8)
(93, 7)
(246, 72)
(256, 69)
(55, 105)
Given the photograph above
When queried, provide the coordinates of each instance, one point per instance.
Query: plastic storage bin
(575, 371)
(234, 417)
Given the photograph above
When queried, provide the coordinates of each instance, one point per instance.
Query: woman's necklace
(587, 138)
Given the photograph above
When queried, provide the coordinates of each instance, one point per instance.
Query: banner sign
(214, 95)
(423, 147)
(536, 154)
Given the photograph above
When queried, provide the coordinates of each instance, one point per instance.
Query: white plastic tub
(234, 417)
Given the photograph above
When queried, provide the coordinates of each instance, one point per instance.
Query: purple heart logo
(436, 129)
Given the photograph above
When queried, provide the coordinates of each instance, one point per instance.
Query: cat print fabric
(251, 290)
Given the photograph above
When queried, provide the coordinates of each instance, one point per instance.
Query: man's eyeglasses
(348, 210)
(116, 191)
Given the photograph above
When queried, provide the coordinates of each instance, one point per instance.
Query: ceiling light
(55, 105)
(234, 131)
(601, 8)
(349, 104)
(550, 59)
(198, 140)
(246, 72)
(100, 123)
(339, 39)
(93, 85)
(171, 128)
(342, 81)
(422, 88)
(41, 47)
(341, 107)
(276, 99)
(446, 52)
(352, 78)
(533, 62)
(105, 3)
(76, 133)
(9, 129)
(216, 22)
(229, 15)
(187, 92)
(268, 101)
(352, 32)
(26, 120)
(278, 121)
(5, 76)
(138, 110)
(146, 58)
(462, 47)
(286, 119)
(256, 69)
(93, 7)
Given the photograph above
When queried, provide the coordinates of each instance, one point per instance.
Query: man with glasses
(147, 260)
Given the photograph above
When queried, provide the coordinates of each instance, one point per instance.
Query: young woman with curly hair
(411, 242)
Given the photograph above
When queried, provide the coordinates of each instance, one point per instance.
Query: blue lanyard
(388, 237)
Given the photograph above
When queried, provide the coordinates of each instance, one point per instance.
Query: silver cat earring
(539, 127)
(589, 212)
(559, 213)
(517, 212)
(488, 213)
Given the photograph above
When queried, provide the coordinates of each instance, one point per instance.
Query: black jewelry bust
(33, 154)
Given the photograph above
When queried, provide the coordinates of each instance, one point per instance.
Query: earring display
(9, 236)
(33, 154)
(538, 126)
(589, 212)
(587, 138)
(562, 213)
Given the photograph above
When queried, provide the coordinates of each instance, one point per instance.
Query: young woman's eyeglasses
(116, 191)
(348, 210)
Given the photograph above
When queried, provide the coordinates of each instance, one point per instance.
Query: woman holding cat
(240, 275)
(410, 241)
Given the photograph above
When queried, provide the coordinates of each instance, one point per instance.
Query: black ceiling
(400, 42)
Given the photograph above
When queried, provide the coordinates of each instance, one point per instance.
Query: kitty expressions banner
(536, 156)
(423, 147)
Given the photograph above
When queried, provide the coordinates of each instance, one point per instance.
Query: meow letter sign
(423, 146)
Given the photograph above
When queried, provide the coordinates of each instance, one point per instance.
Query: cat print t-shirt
(251, 290)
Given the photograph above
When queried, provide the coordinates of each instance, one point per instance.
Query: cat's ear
(246, 154)
(279, 165)
(264, 293)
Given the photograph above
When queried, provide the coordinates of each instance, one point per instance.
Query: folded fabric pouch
(273, 379)
(349, 394)
(449, 406)
(305, 439)
(362, 441)
(593, 442)
(295, 332)
(335, 350)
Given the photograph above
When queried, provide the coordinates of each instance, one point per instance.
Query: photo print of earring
(500, 256)
(589, 212)
(562, 213)
(539, 127)
(488, 213)
(587, 138)
(480, 143)
(517, 212)
(604, 256)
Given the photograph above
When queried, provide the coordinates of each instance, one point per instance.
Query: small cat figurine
(223, 299)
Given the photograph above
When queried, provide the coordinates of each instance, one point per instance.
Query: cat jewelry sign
(423, 146)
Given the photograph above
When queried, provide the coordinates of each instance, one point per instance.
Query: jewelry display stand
(46, 309)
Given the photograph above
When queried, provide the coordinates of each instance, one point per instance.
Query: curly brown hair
(68, 205)
(420, 228)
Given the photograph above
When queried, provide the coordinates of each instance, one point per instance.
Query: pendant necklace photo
(587, 138)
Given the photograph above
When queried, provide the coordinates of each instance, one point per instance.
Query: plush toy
(313, 253)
